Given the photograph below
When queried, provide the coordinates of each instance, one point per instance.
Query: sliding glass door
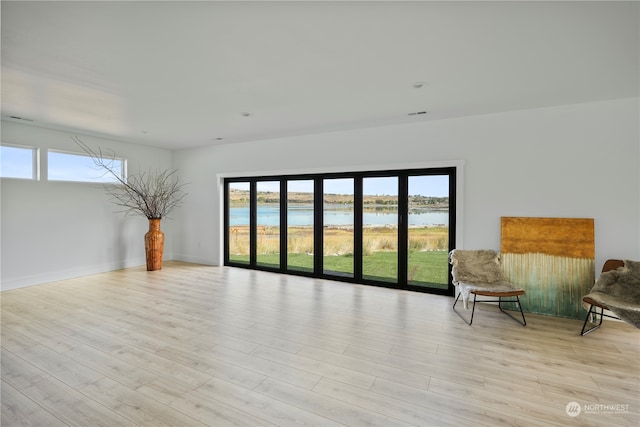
(390, 228)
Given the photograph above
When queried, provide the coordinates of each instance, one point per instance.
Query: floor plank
(19, 410)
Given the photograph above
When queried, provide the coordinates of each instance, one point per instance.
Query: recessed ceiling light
(418, 85)
(245, 114)
(217, 139)
(20, 118)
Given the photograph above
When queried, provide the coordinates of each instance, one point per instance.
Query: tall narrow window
(338, 237)
(18, 162)
(268, 223)
(63, 166)
(380, 229)
(238, 214)
(428, 231)
(300, 225)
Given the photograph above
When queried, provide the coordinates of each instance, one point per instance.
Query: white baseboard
(54, 276)
(194, 259)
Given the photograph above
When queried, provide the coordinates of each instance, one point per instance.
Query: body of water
(338, 215)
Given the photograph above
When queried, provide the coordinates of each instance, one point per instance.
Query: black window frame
(318, 178)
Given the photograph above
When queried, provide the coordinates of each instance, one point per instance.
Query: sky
(17, 162)
(70, 167)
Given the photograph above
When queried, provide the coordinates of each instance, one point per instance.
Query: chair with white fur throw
(616, 290)
(479, 272)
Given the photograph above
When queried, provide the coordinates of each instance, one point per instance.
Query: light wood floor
(193, 345)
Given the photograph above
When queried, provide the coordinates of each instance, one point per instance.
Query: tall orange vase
(154, 245)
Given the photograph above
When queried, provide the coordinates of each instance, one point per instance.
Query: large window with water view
(392, 228)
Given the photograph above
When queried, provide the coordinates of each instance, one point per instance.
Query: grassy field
(430, 269)
(427, 263)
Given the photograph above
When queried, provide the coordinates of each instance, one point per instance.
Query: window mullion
(403, 228)
(253, 221)
(318, 220)
(357, 227)
(284, 209)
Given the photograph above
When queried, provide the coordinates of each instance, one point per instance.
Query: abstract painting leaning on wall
(553, 259)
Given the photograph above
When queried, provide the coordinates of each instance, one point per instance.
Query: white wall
(57, 230)
(570, 161)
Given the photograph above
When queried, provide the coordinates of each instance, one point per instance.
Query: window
(300, 225)
(338, 226)
(268, 222)
(380, 228)
(237, 218)
(18, 162)
(385, 228)
(81, 168)
(428, 231)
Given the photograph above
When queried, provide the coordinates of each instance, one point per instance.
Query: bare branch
(153, 194)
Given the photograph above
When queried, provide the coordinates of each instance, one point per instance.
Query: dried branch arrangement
(153, 194)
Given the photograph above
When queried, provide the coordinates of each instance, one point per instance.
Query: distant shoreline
(343, 227)
(241, 197)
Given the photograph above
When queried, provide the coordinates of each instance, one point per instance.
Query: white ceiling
(181, 74)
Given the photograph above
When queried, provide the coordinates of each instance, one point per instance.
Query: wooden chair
(479, 272)
(610, 264)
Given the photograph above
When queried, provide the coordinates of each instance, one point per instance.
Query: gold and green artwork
(553, 259)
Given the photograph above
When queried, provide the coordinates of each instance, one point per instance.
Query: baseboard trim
(194, 259)
(54, 276)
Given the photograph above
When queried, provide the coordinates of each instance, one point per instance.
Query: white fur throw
(478, 270)
(619, 290)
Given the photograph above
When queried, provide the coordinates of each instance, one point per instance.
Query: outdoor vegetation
(427, 250)
(427, 246)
